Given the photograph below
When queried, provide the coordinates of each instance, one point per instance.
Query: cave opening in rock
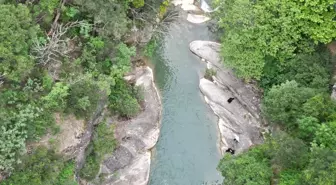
(230, 100)
(230, 150)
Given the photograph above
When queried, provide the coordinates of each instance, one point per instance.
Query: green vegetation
(103, 143)
(209, 73)
(259, 31)
(43, 167)
(64, 57)
(282, 46)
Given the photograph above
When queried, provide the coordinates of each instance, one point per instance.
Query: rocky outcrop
(236, 103)
(196, 14)
(130, 162)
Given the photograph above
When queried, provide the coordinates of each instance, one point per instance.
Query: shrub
(83, 98)
(122, 99)
(42, 167)
(283, 103)
(104, 141)
(91, 167)
(209, 73)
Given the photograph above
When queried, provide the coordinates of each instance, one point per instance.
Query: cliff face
(236, 103)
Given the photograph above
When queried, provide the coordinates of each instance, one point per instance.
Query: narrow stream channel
(186, 153)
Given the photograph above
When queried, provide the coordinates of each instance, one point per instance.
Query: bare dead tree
(56, 47)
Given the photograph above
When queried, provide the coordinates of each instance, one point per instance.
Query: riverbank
(130, 162)
(236, 103)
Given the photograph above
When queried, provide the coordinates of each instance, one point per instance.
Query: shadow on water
(187, 152)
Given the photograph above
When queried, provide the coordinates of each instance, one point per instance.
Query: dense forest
(64, 57)
(69, 57)
(286, 48)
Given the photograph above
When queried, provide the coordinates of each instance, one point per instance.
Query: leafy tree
(246, 169)
(283, 103)
(138, 3)
(43, 167)
(16, 34)
(320, 106)
(288, 152)
(104, 141)
(122, 99)
(309, 70)
(91, 167)
(109, 16)
(83, 98)
(56, 99)
(325, 136)
(308, 126)
(321, 169)
(122, 61)
(256, 30)
(290, 177)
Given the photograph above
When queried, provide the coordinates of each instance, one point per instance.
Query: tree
(321, 169)
(109, 16)
(245, 169)
(56, 99)
(308, 70)
(320, 106)
(283, 103)
(307, 127)
(256, 30)
(288, 152)
(16, 34)
(325, 136)
(42, 167)
(83, 97)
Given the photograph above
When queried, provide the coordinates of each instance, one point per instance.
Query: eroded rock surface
(236, 103)
(130, 162)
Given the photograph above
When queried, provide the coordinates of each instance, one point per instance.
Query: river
(187, 151)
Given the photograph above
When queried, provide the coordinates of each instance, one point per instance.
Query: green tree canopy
(17, 32)
(246, 169)
(255, 30)
(283, 103)
(321, 169)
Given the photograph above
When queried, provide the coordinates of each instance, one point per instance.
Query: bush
(91, 167)
(150, 48)
(283, 103)
(43, 167)
(83, 98)
(103, 143)
(245, 169)
(56, 99)
(308, 70)
(138, 3)
(209, 73)
(122, 99)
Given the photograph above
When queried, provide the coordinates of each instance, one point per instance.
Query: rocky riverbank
(130, 162)
(236, 103)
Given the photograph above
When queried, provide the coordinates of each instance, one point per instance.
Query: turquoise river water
(187, 152)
